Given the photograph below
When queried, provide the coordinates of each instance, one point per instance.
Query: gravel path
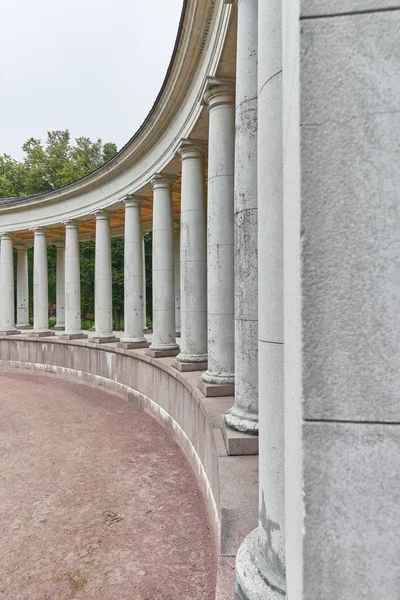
(96, 501)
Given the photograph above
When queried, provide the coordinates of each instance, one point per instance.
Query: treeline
(48, 166)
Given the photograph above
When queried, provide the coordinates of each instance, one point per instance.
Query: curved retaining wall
(228, 483)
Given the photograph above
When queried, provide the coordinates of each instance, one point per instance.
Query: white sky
(91, 66)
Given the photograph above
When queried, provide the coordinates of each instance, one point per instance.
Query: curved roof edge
(193, 12)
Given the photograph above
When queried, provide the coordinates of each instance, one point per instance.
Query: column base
(26, 326)
(58, 328)
(9, 332)
(238, 443)
(147, 330)
(188, 366)
(241, 420)
(34, 333)
(73, 336)
(132, 344)
(250, 584)
(218, 378)
(97, 339)
(154, 353)
(212, 390)
(92, 329)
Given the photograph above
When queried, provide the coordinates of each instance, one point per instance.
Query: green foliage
(47, 167)
(87, 255)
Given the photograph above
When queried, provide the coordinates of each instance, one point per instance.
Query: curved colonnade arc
(255, 193)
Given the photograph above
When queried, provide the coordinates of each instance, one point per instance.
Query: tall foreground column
(177, 263)
(103, 281)
(164, 343)
(7, 318)
(60, 286)
(193, 341)
(260, 563)
(341, 124)
(22, 288)
(40, 285)
(219, 99)
(243, 416)
(133, 276)
(72, 281)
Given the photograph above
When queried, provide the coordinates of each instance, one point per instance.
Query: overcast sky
(91, 66)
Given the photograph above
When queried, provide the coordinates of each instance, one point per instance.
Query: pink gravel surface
(96, 500)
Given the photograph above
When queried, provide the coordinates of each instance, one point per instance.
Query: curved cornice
(199, 44)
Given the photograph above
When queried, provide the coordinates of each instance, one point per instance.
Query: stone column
(144, 284)
(72, 282)
(22, 288)
(243, 416)
(60, 286)
(219, 97)
(164, 343)
(40, 285)
(7, 314)
(177, 263)
(133, 276)
(103, 280)
(193, 355)
(260, 562)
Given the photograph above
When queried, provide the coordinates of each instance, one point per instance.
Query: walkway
(96, 501)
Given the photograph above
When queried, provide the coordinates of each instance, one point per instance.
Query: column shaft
(103, 280)
(7, 284)
(163, 269)
(220, 272)
(60, 286)
(40, 284)
(193, 257)
(244, 415)
(133, 282)
(177, 263)
(22, 288)
(144, 284)
(260, 563)
(72, 281)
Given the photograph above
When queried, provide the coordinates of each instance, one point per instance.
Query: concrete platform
(238, 443)
(162, 353)
(215, 389)
(185, 367)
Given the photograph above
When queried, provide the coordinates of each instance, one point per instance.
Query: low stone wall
(229, 483)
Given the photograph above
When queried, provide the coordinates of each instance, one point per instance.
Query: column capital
(133, 199)
(4, 235)
(102, 214)
(163, 180)
(72, 223)
(58, 244)
(218, 90)
(192, 148)
(39, 230)
(20, 247)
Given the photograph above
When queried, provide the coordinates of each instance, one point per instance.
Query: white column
(243, 416)
(72, 281)
(133, 276)
(164, 343)
(103, 280)
(177, 263)
(60, 286)
(144, 284)
(193, 258)
(22, 288)
(40, 285)
(219, 98)
(260, 562)
(7, 314)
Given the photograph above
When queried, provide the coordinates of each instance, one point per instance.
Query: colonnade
(211, 294)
